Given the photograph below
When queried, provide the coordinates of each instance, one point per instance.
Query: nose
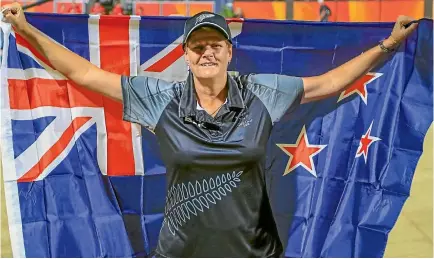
(208, 52)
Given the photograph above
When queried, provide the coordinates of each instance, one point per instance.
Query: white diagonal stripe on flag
(136, 134)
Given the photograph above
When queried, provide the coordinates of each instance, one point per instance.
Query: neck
(211, 93)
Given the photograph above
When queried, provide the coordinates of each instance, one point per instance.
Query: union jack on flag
(37, 91)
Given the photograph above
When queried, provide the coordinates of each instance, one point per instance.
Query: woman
(213, 130)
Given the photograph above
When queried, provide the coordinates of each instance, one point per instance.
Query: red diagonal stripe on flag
(38, 92)
(115, 57)
(21, 41)
(167, 60)
(54, 151)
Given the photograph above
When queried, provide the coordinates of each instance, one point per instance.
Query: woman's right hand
(14, 14)
(69, 64)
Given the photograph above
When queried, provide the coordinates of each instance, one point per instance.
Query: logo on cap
(202, 17)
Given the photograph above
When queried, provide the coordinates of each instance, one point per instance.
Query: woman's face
(208, 53)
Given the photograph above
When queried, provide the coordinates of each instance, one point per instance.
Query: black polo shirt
(216, 203)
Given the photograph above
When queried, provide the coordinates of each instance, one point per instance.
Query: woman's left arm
(338, 79)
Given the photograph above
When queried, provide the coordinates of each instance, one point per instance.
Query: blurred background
(303, 10)
(312, 10)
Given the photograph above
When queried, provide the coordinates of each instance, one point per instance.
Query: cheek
(224, 59)
(192, 57)
(225, 55)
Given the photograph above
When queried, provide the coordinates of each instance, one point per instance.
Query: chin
(207, 74)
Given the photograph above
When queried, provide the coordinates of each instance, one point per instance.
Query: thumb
(409, 29)
(10, 18)
(412, 27)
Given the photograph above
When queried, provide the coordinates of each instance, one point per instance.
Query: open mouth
(208, 64)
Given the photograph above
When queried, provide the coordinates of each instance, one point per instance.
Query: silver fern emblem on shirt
(186, 200)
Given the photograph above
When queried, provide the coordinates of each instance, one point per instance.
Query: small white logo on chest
(245, 122)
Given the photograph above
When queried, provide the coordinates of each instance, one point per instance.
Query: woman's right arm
(69, 64)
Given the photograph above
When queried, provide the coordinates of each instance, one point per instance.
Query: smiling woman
(207, 48)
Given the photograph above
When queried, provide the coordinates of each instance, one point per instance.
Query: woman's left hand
(400, 32)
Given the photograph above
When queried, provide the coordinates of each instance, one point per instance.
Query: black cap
(206, 19)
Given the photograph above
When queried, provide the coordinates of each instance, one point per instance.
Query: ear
(186, 58)
(230, 51)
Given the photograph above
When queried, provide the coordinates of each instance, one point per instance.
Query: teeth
(208, 64)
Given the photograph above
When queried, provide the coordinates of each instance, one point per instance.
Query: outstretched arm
(71, 65)
(338, 79)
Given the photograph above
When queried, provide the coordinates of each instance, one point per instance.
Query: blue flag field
(80, 182)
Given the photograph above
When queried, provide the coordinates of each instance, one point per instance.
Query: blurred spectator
(324, 11)
(62, 8)
(70, 9)
(117, 9)
(127, 6)
(97, 8)
(107, 5)
(238, 13)
(140, 11)
(228, 11)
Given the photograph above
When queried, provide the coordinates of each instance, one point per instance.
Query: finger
(5, 10)
(405, 19)
(6, 19)
(11, 9)
(15, 10)
(410, 23)
(8, 16)
(412, 27)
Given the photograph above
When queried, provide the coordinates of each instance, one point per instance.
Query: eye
(198, 48)
(216, 45)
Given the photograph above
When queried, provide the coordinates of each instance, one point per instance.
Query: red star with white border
(365, 142)
(359, 87)
(301, 153)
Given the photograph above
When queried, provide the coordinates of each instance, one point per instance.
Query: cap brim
(208, 24)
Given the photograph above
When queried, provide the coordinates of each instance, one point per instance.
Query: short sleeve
(145, 98)
(278, 93)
